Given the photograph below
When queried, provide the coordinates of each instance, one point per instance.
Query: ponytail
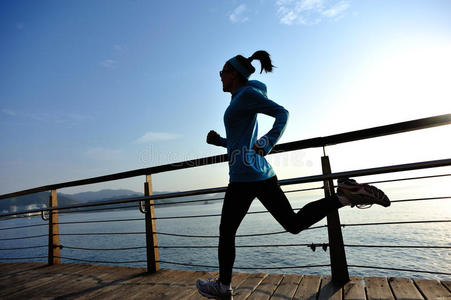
(265, 60)
(244, 67)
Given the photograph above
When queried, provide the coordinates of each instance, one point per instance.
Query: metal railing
(147, 203)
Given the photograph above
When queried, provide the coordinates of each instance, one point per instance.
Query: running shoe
(361, 195)
(211, 289)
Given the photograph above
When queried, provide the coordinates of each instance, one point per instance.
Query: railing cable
(19, 216)
(409, 178)
(26, 226)
(296, 208)
(22, 248)
(238, 235)
(304, 190)
(95, 209)
(243, 235)
(24, 237)
(221, 198)
(397, 246)
(100, 221)
(22, 258)
(310, 228)
(421, 199)
(237, 246)
(102, 261)
(396, 223)
(103, 249)
(99, 233)
(184, 202)
(399, 269)
(187, 217)
(245, 268)
(311, 245)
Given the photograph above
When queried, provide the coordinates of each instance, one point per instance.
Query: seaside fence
(147, 203)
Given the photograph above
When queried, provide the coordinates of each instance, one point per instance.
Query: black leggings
(238, 198)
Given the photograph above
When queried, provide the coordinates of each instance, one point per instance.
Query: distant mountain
(103, 195)
(32, 201)
(41, 200)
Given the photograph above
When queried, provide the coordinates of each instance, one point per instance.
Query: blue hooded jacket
(240, 121)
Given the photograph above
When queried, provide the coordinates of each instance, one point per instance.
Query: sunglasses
(224, 71)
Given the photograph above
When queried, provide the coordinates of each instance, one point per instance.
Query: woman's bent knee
(294, 229)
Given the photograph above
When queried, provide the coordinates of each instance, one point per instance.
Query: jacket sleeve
(222, 142)
(258, 103)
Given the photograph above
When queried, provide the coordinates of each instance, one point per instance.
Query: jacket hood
(260, 86)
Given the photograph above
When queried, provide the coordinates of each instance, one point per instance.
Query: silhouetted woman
(251, 176)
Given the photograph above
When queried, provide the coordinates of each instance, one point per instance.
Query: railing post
(339, 266)
(151, 237)
(54, 239)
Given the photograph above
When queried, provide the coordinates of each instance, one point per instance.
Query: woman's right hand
(213, 138)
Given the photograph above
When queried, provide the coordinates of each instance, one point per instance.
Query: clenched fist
(213, 138)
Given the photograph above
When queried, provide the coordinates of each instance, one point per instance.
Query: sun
(406, 83)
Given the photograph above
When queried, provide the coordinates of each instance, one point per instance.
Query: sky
(89, 88)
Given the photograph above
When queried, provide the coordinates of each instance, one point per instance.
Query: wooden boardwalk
(71, 281)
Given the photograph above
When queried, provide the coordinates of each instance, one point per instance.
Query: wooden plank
(287, 287)
(330, 290)
(187, 288)
(27, 279)
(36, 282)
(403, 288)
(21, 270)
(15, 281)
(266, 288)
(354, 289)
(248, 286)
(14, 269)
(58, 281)
(308, 288)
(181, 284)
(8, 268)
(431, 289)
(61, 281)
(92, 278)
(378, 288)
(238, 279)
(124, 287)
(104, 277)
(127, 286)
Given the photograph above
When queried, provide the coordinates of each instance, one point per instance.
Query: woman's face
(227, 76)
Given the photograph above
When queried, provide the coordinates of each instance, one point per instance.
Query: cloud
(9, 112)
(109, 64)
(237, 16)
(336, 10)
(156, 136)
(309, 12)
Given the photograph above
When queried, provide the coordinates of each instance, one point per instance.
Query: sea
(124, 230)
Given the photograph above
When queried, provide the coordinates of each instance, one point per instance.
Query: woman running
(251, 176)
